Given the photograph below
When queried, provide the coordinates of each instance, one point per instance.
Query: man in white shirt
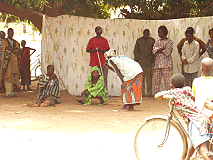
(190, 58)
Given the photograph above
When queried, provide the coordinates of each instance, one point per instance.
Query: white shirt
(127, 66)
(203, 91)
(190, 51)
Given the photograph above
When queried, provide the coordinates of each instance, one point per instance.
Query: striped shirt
(163, 59)
(48, 88)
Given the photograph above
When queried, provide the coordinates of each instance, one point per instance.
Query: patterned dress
(132, 90)
(98, 89)
(184, 105)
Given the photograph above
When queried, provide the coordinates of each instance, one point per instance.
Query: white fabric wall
(64, 41)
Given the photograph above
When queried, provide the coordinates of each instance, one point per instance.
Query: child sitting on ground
(196, 120)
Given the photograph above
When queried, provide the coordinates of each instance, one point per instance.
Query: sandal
(29, 89)
(101, 104)
(80, 101)
(124, 109)
(10, 95)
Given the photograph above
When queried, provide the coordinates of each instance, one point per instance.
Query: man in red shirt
(98, 46)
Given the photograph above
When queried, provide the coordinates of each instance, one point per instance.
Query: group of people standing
(156, 60)
(15, 63)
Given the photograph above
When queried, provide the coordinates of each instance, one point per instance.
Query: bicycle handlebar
(168, 96)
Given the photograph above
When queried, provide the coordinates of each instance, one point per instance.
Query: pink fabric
(166, 73)
(184, 105)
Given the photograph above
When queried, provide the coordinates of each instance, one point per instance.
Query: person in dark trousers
(143, 55)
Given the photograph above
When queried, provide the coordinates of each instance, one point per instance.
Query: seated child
(196, 120)
(95, 88)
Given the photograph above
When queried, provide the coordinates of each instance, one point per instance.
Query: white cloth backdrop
(64, 41)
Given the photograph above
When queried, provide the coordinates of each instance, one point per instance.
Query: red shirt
(97, 43)
(25, 57)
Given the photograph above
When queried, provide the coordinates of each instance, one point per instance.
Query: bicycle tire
(36, 70)
(145, 144)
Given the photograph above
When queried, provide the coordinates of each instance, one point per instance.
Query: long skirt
(26, 75)
(131, 91)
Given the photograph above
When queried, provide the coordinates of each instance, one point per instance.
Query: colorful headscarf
(95, 68)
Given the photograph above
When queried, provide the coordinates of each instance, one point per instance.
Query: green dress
(98, 89)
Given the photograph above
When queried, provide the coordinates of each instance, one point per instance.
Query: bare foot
(45, 104)
(30, 104)
(124, 109)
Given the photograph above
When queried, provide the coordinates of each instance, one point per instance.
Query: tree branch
(33, 16)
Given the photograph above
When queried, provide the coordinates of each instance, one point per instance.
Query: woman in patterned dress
(130, 73)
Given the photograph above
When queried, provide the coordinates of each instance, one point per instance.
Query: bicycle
(163, 137)
(35, 65)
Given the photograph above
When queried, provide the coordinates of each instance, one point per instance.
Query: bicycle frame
(170, 115)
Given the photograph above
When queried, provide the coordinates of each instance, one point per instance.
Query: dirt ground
(70, 131)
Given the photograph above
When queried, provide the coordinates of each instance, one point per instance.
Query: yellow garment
(12, 74)
(9, 88)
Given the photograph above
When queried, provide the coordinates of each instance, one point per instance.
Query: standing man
(2, 37)
(97, 46)
(10, 67)
(190, 58)
(143, 55)
(202, 46)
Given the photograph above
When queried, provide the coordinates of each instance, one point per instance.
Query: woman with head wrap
(95, 88)
(130, 73)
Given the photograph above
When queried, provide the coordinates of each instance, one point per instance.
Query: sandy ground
(70, 131)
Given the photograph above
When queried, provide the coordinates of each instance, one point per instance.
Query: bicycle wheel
(151, 134)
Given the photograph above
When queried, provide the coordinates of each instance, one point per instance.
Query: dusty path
(71, 131)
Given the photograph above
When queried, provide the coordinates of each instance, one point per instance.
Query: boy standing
(190, 58)
(202, 91)
(25, 65)
(202, 87)
(97, 46)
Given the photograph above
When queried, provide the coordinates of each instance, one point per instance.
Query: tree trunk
(34, 16)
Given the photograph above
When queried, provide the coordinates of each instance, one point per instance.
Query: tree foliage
(167, 9)
(32, 10)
